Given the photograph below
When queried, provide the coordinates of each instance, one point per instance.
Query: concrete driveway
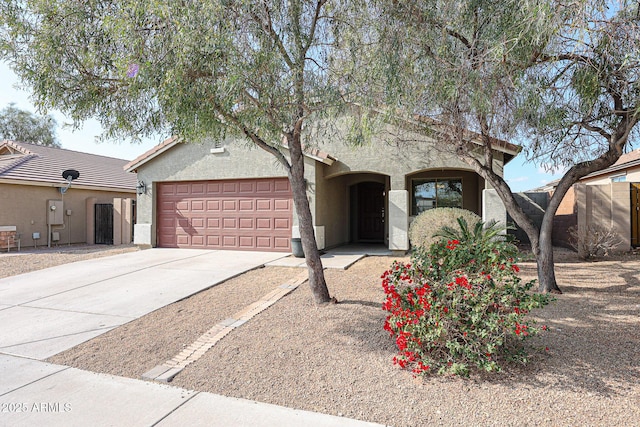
(45, 312)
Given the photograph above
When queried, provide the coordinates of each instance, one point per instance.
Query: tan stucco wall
(631, 175)
(395, 159)
(25, 206)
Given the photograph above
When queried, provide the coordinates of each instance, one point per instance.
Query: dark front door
(370, 212)
(104, 224)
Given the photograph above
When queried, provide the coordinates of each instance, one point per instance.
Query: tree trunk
(543, 251)
(305, 223)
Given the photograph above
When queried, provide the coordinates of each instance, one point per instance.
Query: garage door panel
(281, 243)
(246, 242)
(214, 205)
(264, 187)
(214, 188)
(263, 223)
(246, 187)
(229, 241)
(226, 214)
(213, 241)
(263, 204)
(246, 205)
(246, 223)
(167, 206)
(230, 187)
(281, 186)
(197, 205)
(198, 189)
(229, 223)
(182, 189)
(167, 189)
(282, 224)
(229, 205)
(281, 205)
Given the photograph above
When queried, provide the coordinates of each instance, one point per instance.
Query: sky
(519, 174)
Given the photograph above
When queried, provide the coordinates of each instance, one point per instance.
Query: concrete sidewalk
(35, 393)
(48, 311)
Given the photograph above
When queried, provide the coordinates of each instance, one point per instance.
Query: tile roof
(41, 164)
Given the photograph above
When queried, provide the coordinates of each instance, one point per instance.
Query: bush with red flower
(460, 305)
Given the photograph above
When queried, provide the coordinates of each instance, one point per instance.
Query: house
(608, 198)
(42, 208)
(231, 195)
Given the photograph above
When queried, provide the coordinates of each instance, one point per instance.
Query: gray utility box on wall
(55, 212)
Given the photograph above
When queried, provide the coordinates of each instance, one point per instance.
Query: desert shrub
(593, 241)
(460, 306)
(424, 227)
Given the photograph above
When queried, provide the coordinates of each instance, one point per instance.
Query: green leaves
(24, 126)
(452, 314)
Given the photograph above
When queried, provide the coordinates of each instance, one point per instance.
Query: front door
(370, 212)
(103, 224)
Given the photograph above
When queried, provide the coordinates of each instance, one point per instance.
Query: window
(619, 178)
(436, 193)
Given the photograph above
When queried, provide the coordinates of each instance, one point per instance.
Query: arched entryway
(368, 212)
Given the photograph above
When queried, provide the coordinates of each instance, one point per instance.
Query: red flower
(515, 268)
(451, 244)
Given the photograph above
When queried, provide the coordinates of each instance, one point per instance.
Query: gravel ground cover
(337, 359)
(14, 263)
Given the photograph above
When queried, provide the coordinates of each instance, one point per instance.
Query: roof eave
(35, 183)
(151, 154)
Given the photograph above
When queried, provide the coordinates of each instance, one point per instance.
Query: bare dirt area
(337, 359)
(30, 259)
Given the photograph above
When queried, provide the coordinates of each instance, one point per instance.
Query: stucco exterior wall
(392, 154)
(25, 206)
(631, 175)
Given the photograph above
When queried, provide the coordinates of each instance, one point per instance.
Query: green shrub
(460, 305)
(424, 227)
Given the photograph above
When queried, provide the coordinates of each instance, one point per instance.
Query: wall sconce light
(141, 188)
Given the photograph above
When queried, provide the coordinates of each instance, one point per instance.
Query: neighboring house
(40, 206)
(609, 198)
(230, 195)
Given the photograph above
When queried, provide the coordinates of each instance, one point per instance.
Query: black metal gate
(104, 224)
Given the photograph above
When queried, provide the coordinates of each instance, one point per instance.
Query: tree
(259, 69)
(564, 77)
(24, 126)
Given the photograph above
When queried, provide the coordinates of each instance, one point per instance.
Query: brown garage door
(246, 214)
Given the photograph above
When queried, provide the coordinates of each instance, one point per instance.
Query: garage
(239, 214)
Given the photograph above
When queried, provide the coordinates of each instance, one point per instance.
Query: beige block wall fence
(25, 208)
(607, 205)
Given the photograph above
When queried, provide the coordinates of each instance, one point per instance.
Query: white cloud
(518, 179)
